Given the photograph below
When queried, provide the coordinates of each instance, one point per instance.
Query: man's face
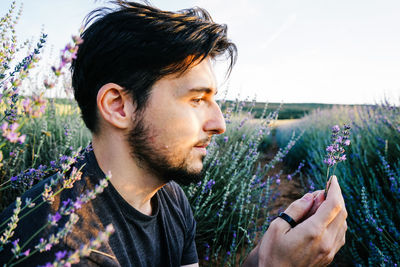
(171, 135)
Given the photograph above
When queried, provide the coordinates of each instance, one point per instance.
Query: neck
(135, 184)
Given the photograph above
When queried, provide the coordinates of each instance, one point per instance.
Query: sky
(290, 51)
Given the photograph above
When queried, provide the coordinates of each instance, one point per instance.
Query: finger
(318, 199)
(340, 240)
(297, 210)
(339, 225)
(334, 188)
(315, 193)
(333, 204)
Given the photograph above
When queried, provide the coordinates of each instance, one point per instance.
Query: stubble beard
(155, 160)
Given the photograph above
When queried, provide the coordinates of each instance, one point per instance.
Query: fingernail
(308, 197)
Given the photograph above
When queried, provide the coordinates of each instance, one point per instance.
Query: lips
(202, 147)
(203, 143)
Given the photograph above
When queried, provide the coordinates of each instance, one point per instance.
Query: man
(144, 81)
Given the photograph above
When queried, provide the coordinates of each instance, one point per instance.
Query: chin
(196, 168)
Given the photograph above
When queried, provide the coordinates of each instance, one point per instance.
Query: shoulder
(174, 192)
(173, 198)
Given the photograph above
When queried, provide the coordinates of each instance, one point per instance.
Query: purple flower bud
(26, 252)
(330, 149)
(60, 255)
(66, 202)
(335, 129)
(53, 164)
(15, 242)
(4, 126)
(78, 204)
(53, 219)
(330, 162)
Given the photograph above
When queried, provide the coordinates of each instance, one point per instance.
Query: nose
(215, 123)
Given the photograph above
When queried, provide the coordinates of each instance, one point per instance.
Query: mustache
(204, 141)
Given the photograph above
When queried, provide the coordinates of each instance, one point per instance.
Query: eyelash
(197, 101)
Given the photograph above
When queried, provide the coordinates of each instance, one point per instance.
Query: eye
(197, 101)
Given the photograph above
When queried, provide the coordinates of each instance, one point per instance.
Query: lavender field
(42, 135)
(369, 177)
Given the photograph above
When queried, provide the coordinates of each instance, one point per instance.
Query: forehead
(200, 75)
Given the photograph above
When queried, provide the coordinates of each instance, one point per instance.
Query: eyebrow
(203, 90)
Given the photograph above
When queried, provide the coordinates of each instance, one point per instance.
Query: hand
(315, 240)
(318, 199)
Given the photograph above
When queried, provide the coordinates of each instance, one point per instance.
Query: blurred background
(338, 52)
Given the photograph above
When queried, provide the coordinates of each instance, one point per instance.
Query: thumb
(297, 210)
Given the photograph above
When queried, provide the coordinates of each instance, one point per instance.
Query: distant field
(288, 110)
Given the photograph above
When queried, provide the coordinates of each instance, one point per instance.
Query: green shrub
(231, 203)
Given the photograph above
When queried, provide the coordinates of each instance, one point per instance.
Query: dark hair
(137, 45)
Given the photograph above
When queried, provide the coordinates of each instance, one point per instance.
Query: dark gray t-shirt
(166, 238)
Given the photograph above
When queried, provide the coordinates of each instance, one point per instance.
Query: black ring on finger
(288, 219)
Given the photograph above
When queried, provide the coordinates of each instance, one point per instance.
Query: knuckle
(345, 214)
(337, 207)
(316, 232)
(295, 205)
(274, 226)
(330, 257)
(325, 249)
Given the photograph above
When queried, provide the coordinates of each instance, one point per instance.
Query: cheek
(178, 129)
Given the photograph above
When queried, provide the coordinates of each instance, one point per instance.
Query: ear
(115, 106)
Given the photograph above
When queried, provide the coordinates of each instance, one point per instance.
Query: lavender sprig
(336, 151)
(63, 258)
(12, 224)
(68, 209)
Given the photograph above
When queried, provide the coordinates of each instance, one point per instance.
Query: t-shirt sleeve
(189, 255)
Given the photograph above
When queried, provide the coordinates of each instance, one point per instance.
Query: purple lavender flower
(26, 252)
(60, 255)
(336, 150)
(330, 161)
(330, 149)
(78, 204)
(335, 129)
(15, 242)
(209, 185)
(11, 134)
(53, 219)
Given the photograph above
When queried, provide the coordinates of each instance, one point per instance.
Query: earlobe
(114, 105)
